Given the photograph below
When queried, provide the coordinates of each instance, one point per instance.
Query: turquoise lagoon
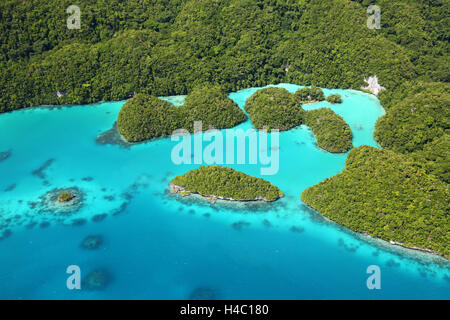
(158, 246)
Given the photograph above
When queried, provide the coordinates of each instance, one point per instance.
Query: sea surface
(160, 246)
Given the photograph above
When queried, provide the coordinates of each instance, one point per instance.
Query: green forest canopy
(165, 47)
(274, 108)
(277, 108)
(387, 195)
(145, 117)
(225, 182)
(333, 134)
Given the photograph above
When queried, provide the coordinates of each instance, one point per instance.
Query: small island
(274, 108)
(310, 95)
(219, 182)
(411, 212)
(145, 117)
(213, 107)
(277, 108)
(65, 197)
(60, 201)
(334, 98)
(332, 132)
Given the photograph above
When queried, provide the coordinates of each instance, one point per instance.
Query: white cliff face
(373, 85)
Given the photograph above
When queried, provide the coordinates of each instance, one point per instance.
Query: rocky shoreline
(176, 189)
(391, 242)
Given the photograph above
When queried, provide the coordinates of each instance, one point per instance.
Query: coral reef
(203, 293)
(5, 155)
(96, 280)
(297, 229)
(240, 224)
(92, 242)
(99, 217)
(71, 201)
(112, 137)
(40, 172)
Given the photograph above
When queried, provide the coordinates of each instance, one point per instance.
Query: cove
(157, 246)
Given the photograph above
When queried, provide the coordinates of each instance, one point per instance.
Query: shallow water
(158, 246)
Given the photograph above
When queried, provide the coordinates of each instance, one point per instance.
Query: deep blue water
(157, 246)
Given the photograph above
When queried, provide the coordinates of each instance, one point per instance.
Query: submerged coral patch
(267, 223)
(5, 234)
(109, 198)
(5, 155)
(92, 242)
(239, 225)
(44, 224)
(203, 293)
(346, 246)
(112, 137)
(99, 217)
(40, 172)
(297, 229)
(79, 222)
(10, 188)
(392, 263)
(31, 225)
(96, 280)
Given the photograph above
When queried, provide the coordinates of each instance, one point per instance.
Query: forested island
(276, 108)
(334, 98)
(333, 134)
(389, 196)
(219, 182)
(310, 95)
(145, 117)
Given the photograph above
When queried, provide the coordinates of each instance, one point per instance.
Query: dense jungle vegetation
(333, 134)
(227, 183)
(312, 94)
(277, 108)
(274, 108)
(334, 98)
(145, 116)
(387, 195)
(165, 47)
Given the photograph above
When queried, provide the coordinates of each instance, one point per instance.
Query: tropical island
(65, 196)
(412, 211)
(145, 116)
(274, 108)
(333, 134)
(310, 95)
(334, 98)
(277, 108)
(224, 183)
